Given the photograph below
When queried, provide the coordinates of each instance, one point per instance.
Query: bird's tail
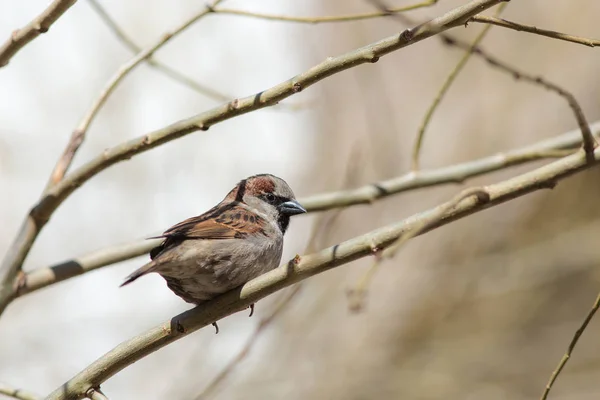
(143, 270)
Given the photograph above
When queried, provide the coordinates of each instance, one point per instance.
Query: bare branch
(301, 268)
(565, 358)
(42, 211)
(532, 29)
(589, 143)
(458, 173)
(19, 394)
(79, 134)
(327, 19)
(42, 277)
(165, 69)
(443, 90)
(21, 37)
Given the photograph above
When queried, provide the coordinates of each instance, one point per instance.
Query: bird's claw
(216, 327)
(251, 310)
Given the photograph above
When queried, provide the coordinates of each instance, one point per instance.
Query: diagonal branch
(165, 69)
(79, 133)
(19, 394)
(549, 148)
(21, 37)
(565, 358)
(41, 212)
(589, 142)
(301, 268)
(532, 29)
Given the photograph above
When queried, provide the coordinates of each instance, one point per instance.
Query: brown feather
(232, 222)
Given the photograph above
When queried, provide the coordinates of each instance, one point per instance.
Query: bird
(232, 243)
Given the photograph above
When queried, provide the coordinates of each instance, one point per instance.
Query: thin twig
(42, 211)
(565, 358)
(19, 394)
(79, 133)
(21, 37)
(588, 140)
(301, 268)
(327, 19)
(532, 29)
(444, 89)
(243, 353)
(549, 148)
(165, 69)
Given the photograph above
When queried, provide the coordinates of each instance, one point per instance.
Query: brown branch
(301, 268)
(42, 211)
(21, 37)
(458, 173)
(532, 29)
(565, 358)
(589, 142)
(19, 394)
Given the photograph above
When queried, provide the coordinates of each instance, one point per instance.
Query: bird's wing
(228, 222)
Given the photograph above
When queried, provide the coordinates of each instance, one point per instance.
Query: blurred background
(480, 309)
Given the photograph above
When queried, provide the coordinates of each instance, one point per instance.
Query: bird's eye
(270, 197)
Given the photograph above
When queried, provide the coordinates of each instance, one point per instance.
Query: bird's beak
(291, 207)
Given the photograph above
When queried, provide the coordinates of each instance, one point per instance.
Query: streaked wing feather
(233, 222)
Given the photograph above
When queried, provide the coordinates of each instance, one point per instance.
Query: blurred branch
(458, 173)
(532, 29)
(589, 143)
(444, 89)
(20, 394)
(55, 195)
(79, 133)
(356, 296)
(21, 37)
(243, 353)
(570, 349)
(301, 268)
(327, 19)
(165, 69)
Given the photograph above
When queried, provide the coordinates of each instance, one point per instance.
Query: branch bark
(21, 37)
(41, 212)
(301, 268)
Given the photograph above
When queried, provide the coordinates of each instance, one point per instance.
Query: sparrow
(232, 243)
